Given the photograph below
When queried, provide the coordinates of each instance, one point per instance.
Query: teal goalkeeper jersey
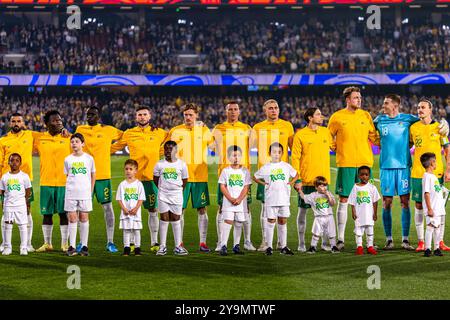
(394, 140)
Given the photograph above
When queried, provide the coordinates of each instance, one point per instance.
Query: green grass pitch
(404, 275)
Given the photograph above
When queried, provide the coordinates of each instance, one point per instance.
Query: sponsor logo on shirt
(437, 187)
(277, 174)
(322, 203)
(235, 179)
(131, 194)
(362, 197)
(78, 168)
(13, 184)
(170, 174)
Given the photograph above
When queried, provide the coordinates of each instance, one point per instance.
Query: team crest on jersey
(362, 197)
(13, 184)
(78, 168)
(277, 174)
(131, 194)
(235, 180)
(322, 203)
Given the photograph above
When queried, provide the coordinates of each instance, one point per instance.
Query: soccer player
(20, 141)
(170, 176)
(277, 177)
(229, 133)
(234, 182)
(79, 167)
(426, 138)
(351, 129)
(395, 164)
(363, 200)
(321, 201)
(15, 187)
(311, 159)
(98, 138)
(434, 207)
(131, 195)
(52, 148)
(265, 133)
(193, 140)
(144, 142)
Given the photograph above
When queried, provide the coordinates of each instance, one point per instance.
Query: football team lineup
(166, 169)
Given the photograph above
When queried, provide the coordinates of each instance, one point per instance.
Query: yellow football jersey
(268, 132)
(52, 151)
(426, 138)
(311, 154)
(192, 148)
(228, 134)
(352, 132)
(21, 143)
(144, 145)
(97, 143)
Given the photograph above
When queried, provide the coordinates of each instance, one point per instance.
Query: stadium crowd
(232, 47)
(118, 109)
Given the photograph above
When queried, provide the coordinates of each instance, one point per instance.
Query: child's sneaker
(248, 245)
(443, 247)
(137, 251)
(286, 251)
(325, 247)
(180, 251)
(437, 253)
(371, 250)
(335, 250)
(84, 251)
(162, 251)
(154, 248)
(420, 246)
(126, 251)
(427, 253)
(71, 251)
(23, 251)
(7, 251)
(30, 248)
(269, 251)
(237, 249)
(359, 251)
(79, 247)
(223, 251)
(340, 245)
(301, 248)
(204, 248)
(312, 250)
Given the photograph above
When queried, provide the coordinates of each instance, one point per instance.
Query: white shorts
(18, 216)
(324, 226)
(128, 223)
(277, 212)
(233, 216)
(166, 207)
(77, 205)
(359, 230)
(434, 221)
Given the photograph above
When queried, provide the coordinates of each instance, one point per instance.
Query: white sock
(436, 237)
(126, 237)
(428, 237)
(358, 241)
(137, 238)
(332, 242)
(314, 241)
(132, 237)
(182, 225)
(269, 233)
(203, 227)
(442, 228)
(163, 227)
(176, 228)
(282, 234)
(110, 220)
(23, 231)
(341, 213)
(248, 227)
(3, 230)
(237, 231)
(225, 233)
(153, 226)
(47, 230)
(8, 235)
(369, 236)
(29, 229)
(418, 218)
(73, 233)
(263, 221)
(64, 234)
(301, 226)
(219, 222)
(84, 233)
